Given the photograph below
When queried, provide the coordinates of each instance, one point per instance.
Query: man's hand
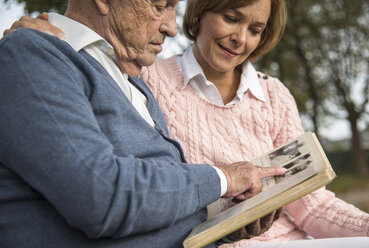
(40, 24)
(243, 181)
(243, 178)
(256, 228)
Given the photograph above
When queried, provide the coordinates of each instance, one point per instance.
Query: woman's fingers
(40, 23)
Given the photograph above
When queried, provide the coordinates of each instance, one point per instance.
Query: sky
(9, 15)
(339, 129)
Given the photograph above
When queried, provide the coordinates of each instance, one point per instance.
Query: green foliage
(352, 189)
(323, 59)
(346, 182)
(43, 6)
(323, 56)
(341, 161)
(348, 186)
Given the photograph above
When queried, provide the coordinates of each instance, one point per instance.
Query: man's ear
(103, 6)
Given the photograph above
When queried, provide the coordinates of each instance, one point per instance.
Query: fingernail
(282, 170)
(48, 32)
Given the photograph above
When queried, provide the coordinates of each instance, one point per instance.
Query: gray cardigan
(79, 167)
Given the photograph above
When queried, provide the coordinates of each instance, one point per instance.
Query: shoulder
(26, 46)
(31, 48)
(31, 56)
(283, 107)
(24, 38)
(274, 89)
(21, 35)
(271, 84)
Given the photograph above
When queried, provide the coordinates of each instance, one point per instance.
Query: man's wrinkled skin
(135, 29)
(251, 175)
(137, 44)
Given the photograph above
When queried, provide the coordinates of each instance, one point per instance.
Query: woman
(223, 111)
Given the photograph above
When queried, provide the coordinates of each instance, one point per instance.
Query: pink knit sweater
(225, 134)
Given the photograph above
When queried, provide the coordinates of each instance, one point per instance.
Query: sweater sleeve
(51, 139)
(285, 114)
(320, 214)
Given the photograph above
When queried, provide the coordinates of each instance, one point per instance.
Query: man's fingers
(244, 196)
(245, 177)
(271, 171)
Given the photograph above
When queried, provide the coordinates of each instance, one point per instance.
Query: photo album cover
(308, 169)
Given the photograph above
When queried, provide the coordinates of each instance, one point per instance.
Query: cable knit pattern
(226, 134)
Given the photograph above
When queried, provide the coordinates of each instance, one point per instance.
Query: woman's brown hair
(270, 36)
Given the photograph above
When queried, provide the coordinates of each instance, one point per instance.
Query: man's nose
(169, 24)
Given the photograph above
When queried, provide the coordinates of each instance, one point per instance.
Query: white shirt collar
(78, 36)
(192, 72)
(250, 80)
(190, 67)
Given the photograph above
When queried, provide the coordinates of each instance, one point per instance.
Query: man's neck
(99, 25)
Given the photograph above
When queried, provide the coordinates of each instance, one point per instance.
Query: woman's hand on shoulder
(40, 23)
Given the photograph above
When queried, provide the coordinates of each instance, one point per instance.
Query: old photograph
(286, 153)
(294, 167)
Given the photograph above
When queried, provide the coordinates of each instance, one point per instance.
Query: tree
(324, 58)
(349, 66)
(43, 6)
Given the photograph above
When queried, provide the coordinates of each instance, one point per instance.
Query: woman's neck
(226, 83)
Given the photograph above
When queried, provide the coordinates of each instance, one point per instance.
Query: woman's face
(227, 39)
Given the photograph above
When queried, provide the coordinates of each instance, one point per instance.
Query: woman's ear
(103, 6)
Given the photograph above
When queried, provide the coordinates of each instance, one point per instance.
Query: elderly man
(85, 156)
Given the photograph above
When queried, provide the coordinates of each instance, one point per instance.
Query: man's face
(138, 29)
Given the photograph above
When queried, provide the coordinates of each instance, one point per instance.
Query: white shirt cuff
(223, 181)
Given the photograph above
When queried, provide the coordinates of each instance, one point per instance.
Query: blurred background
(323, 58)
